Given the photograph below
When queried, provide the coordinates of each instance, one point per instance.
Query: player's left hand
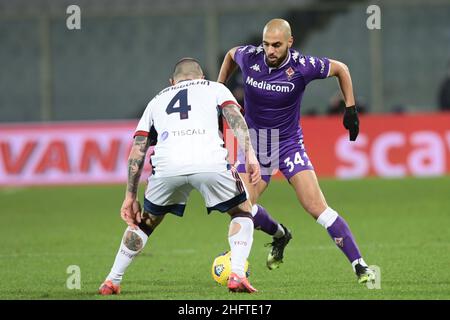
(131, 212)
(252, 167)
(351, 122)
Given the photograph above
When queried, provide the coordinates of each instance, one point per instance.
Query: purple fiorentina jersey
(273, 95)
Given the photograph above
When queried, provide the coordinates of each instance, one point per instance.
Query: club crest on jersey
(256, 67)
(339, 242)
(290, 72)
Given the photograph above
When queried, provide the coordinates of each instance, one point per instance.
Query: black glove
(351, 122)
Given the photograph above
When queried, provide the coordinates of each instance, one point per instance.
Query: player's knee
(254, 195)
(251, 195)
(314, 208)
(133, 241)
(253, 199)
(243, 209)
(149, 222)
(246, 208)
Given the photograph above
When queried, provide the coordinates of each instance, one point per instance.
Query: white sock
(360, 261)
(241, 244)
(254, 210)
(280, 232)
(327, 218)
(124, 257)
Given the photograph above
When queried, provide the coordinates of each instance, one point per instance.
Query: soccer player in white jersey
(189, 154)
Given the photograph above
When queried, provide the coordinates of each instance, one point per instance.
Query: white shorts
(220, 190)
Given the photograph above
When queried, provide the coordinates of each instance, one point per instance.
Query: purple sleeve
(239, 55)
(315, 68)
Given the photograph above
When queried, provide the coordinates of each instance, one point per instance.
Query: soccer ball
(221, 268)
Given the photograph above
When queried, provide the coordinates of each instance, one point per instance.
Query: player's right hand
(252, 168)
(351, 122)
(131, 212)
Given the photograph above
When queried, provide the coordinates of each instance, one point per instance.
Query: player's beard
(278, 61)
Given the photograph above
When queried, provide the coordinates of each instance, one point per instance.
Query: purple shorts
(290, 158)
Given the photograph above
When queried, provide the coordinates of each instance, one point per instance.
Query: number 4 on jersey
(183, 106)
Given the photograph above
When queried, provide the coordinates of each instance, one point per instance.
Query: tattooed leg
(133, 242)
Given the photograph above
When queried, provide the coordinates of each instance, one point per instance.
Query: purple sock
(342, 236)
(263, 221)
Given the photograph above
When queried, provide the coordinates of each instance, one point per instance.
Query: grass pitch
(402, 226)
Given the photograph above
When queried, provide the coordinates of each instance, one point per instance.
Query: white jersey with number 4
(185, 117)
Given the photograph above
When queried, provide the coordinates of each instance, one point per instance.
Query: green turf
(400, 225)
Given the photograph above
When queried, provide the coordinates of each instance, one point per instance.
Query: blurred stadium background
(124, 54)
(125, 51)
(70, 99)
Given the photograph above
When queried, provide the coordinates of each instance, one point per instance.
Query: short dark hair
(187, 66)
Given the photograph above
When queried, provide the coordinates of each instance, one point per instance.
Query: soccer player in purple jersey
(275, 77)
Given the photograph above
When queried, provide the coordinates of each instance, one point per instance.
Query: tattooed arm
(237, 123)
(131, 208)
(135, 164)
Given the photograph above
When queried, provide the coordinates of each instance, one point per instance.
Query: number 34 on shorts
(298, 160)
